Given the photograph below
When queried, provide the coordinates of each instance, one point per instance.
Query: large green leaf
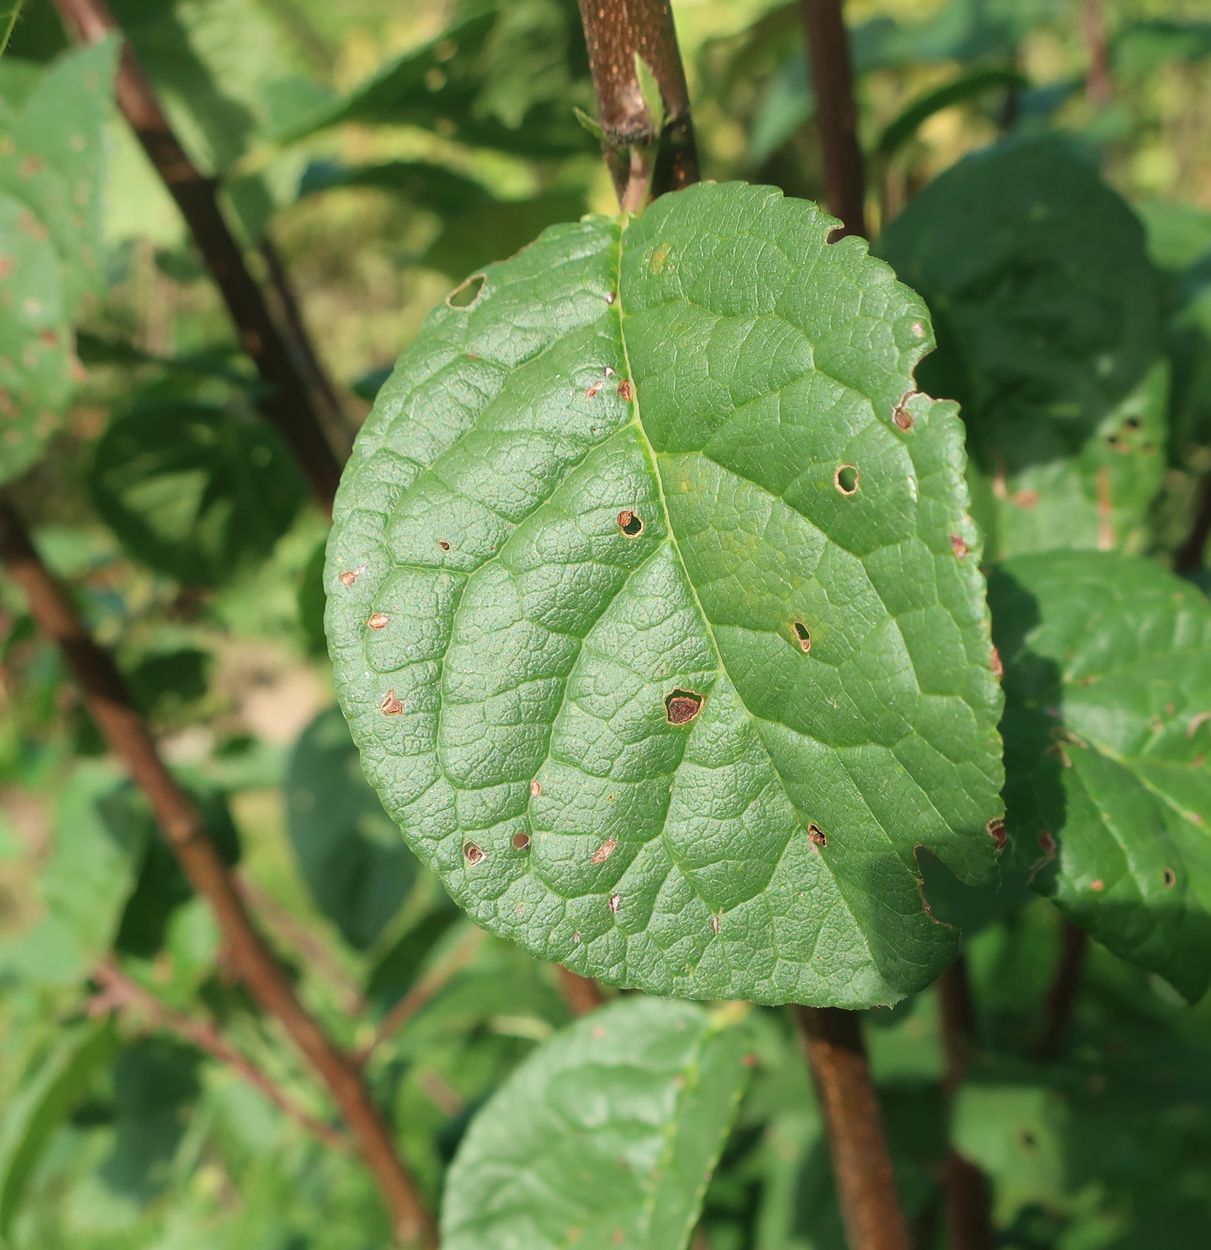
(51, 165)
(656, 613)
(1107, 737)
(604, 1137)
(347, 849)
(1049, 333)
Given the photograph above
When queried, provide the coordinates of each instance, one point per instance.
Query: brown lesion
(682, 706)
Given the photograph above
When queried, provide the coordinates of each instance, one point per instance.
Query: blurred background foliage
(389, 149)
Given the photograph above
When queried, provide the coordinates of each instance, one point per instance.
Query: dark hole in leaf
(521, 841)
(630, 524)
(803, 635)
(1132, 423)
(817, 835)
(467, 292)
(681, 706)
(1030, 1143)
(1170, 878)
(846, 479)
(445, 546)
(835, 235)
(996, 831)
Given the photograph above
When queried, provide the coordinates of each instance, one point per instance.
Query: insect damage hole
(803, 636)
(1170, 878)
(630, 523)
(816, 836)
(846, 479)
(472, 854)
(682, 706)
(521, 841)
(467, 292)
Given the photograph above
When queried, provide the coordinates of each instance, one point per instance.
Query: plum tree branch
(866, 1184)
(128, 736)
(646, 155)
(118, 992)
(837, 114)
(291, 403)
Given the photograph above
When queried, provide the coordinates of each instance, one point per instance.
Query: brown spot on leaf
(1047, 843)
(378, 620)
(803, 636)
(611, 296)
(391, 705)
(615, 903)
(660, 258)
(902, 418)
(535, 788)
(998, 669)
(682, 706)
(349, 576)
(958, 544)
(472, 853)
(1097, 886)
(996, 831)
(521, 841)
(604, 851)
(594, 390)
(630, 523)
(714, 924)
(443, 544)
(626, 390)
(816, 836)
(1025, 498)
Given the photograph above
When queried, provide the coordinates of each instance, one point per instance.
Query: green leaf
(661, 637)
(1049, 322)
(1107, 735)
(51, 166)
(357, 870)
(197, 493)
(605, 1136)
(44, 1101)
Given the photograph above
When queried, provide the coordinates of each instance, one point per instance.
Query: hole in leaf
(630, 523)
(378, 620)
(816, 835)
(803, 636)
(521, 841)
(472, 853)
(996, 831)
(467, 291)
(714, 924)
(681, 706)
(835, 235)
(1170, 878)
(846, 479)
(445, 546)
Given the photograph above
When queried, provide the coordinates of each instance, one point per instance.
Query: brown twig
(644, 156)
(289, 403)
(580, 993)
(120, 991)
(455, 959)
(1062, 995)
(1098, 89)
(968, 1195)
(1192, 552)
(128, 736)
(866, 1185)
(832, 75)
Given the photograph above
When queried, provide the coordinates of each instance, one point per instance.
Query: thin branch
(582, 994)
(1098, 84)
(866, 1185)
(182, 825)
(10, 21)
(832, 75)
(289, 403)
(120, 991)
(1062, 995)
(1192, 552)
(455, 959)
(968, 1194)
(616, 32)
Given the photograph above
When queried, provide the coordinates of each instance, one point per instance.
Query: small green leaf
(42, 1103)
(355, 866)
(1048, 319)
(197, 493)
(656, 613)
(649, 89)
(604, 1137)
(1107, 738)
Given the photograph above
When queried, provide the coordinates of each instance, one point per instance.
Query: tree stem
(866, 1187)
(616, 32)
(1061, 997)
(968, 1195)
(832, 74)
(128, 736)
(1098, 88)
(290, 404)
